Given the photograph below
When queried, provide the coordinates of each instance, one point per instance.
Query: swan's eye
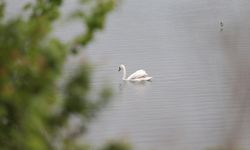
(119, 69)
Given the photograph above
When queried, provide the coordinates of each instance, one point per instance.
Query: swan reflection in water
(137, 85)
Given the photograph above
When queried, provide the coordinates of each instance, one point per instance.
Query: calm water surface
(198, 55)
(198, 66)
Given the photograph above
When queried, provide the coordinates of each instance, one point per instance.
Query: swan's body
(139, 75)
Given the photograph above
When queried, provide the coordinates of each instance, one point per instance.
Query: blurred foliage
(34, 113)
(117, 145)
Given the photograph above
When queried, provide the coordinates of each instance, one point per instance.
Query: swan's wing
(138, 74)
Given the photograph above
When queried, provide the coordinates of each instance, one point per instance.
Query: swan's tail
(148, 78)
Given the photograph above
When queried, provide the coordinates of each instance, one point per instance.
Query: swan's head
(121, 67)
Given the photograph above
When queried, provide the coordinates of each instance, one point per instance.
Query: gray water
(198, 55)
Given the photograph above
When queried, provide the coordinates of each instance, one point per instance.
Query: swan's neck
(124, 73)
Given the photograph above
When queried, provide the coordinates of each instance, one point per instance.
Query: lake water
(198, 55)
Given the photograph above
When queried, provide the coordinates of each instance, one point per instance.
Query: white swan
(139, 75)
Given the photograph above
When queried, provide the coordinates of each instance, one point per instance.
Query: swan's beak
(119, 69)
